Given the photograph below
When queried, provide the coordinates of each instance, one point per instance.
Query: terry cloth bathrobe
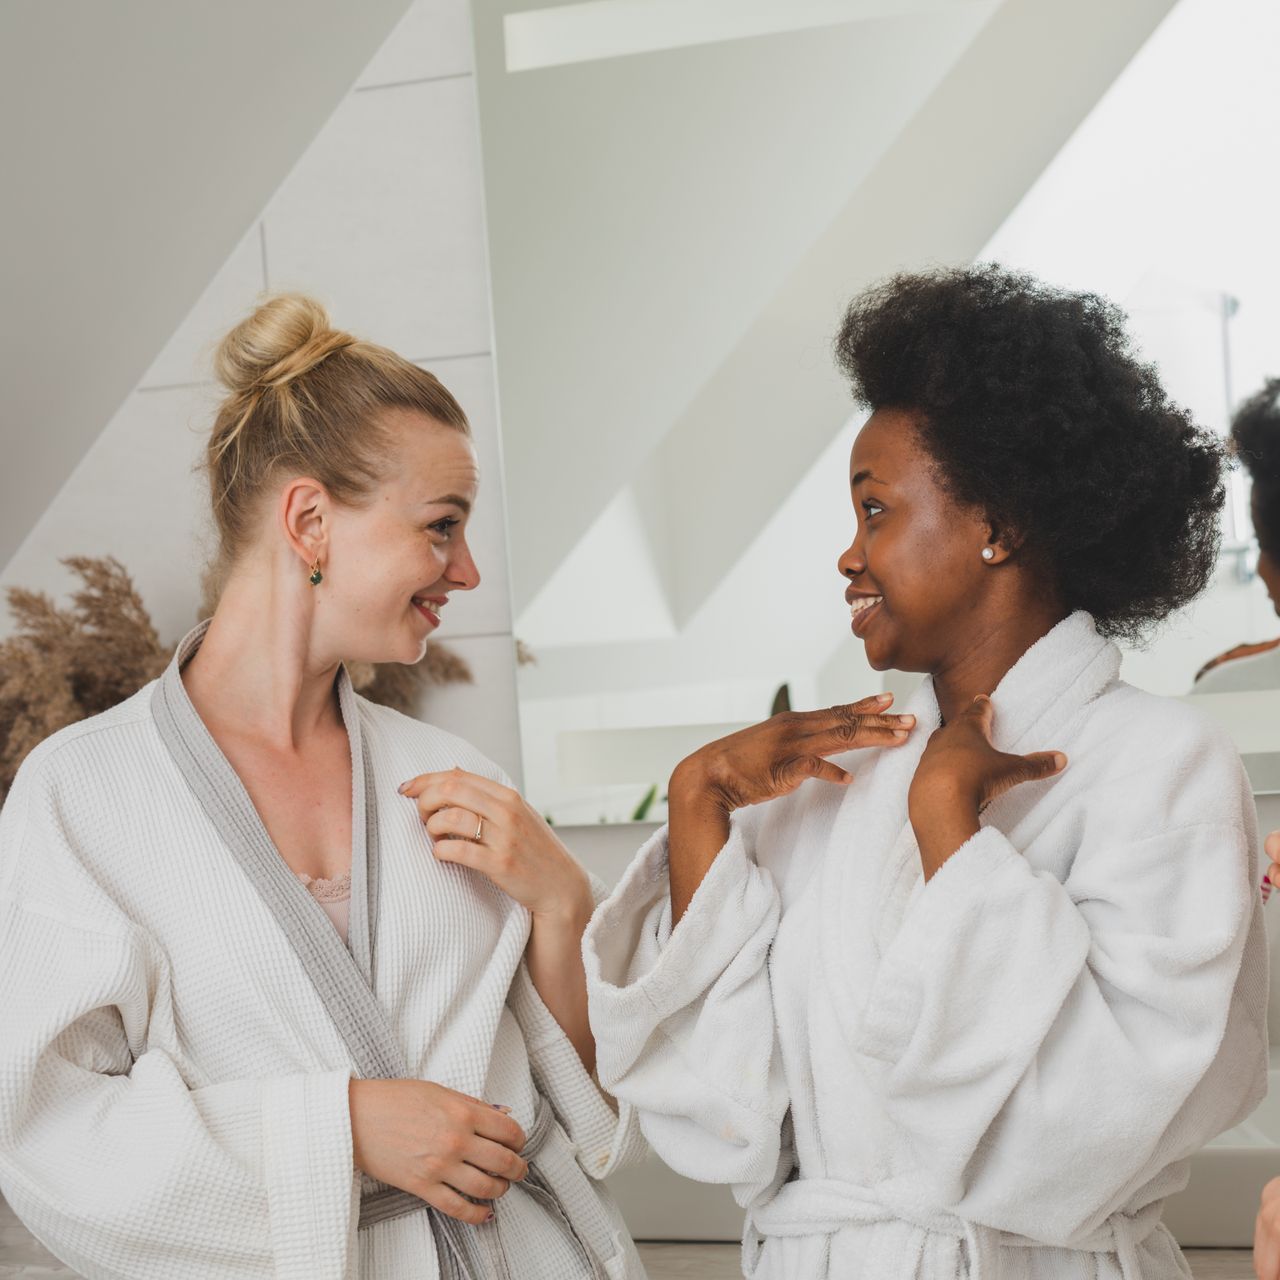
(997, 1075)
(179, 1020)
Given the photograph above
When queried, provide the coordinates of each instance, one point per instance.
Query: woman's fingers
(495, 1159)
(454, 821)
(817, 767)
(860, 731)
(1272, 847)
(1266, 1234)
(447, 1200)
(490, 1123)
(457, 787)
(477, 1183)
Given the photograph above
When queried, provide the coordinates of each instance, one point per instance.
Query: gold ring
(479, 831)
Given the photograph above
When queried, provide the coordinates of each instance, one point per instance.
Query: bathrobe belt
(462, 1248)
(823, 1206)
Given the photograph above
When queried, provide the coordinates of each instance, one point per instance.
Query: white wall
(382, 218)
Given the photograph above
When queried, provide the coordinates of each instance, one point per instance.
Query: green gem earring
(316, 576)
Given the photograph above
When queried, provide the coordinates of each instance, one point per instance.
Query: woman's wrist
(570, 910)
(943, 817)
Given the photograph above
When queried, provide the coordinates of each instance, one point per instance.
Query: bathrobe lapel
(863, 873)
(342, 978)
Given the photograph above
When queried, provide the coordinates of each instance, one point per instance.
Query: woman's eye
(872, 508)
(442, 527)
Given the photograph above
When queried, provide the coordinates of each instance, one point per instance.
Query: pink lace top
(334, 896)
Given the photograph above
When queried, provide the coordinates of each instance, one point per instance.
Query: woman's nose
(463, 571)
(852, 562)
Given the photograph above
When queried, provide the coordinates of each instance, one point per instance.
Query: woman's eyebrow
(860, 476)
(450, 499)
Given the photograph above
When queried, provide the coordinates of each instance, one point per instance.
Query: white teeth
(859, 603)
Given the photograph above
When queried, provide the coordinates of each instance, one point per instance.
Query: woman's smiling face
(915, 570)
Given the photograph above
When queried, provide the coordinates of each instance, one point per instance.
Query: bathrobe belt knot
(823, 1206)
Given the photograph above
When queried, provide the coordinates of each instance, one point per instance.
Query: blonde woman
(257, 1020)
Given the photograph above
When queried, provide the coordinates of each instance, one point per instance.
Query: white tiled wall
(382, 219)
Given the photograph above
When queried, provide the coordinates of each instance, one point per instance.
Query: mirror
(682, 198)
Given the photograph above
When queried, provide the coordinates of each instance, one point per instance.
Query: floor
(720, 1262)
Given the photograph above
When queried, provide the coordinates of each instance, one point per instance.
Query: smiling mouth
(861, 608)
(430, 609)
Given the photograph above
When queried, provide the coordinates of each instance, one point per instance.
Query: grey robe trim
(343, 978)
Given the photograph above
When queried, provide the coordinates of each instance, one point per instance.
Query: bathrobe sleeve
(683, 1017)
(605, 1132)
(1049, 1048)
(107, 1155)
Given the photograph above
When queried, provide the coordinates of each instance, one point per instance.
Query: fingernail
(884, 697)
(907, 719)
(401, 787)
(498, 1106)
(489, 1216)
(901, 733)
(1059, 759)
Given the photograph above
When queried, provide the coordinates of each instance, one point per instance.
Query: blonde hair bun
(308, 399)
(284, 337)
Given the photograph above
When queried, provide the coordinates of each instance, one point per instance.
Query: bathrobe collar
(343, 976)
(1047, 688)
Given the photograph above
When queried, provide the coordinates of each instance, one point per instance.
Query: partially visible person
(1266, 1232)
(1255, 438)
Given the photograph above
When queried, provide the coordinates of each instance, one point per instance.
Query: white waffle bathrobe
(999, 1074)
(173, 1089)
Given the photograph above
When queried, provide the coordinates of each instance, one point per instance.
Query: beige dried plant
(61, 665)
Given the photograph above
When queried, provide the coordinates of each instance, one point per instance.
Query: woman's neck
(256, 668)
(977, 662)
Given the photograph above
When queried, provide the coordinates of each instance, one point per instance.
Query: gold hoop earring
(316, 576)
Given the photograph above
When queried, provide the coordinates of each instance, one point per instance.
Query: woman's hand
(1266, 1231)
(1272, 847)
(757, 764)
(481, 824)
(773, 758)
(437, 1144)
(959, 774)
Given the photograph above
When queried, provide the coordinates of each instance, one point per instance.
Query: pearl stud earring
(987, 553)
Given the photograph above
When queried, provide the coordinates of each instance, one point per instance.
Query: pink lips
(431, 615)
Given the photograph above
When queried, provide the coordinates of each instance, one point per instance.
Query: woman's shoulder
(92, 744)
(1162, 751)
(421, 747)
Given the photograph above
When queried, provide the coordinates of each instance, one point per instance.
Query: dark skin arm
(959, 774)
(757, 764)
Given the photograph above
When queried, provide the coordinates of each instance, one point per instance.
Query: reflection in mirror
(677, 219)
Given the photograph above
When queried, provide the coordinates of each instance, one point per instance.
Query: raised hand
(441, 1145)
(773, 758)
(959, 774)
(479, 823)
(762, 763)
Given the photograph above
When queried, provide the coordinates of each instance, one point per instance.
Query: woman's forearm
(941, 825)
(554, 957)
(698, 828)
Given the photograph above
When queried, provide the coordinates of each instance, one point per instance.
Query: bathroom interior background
(636, 236)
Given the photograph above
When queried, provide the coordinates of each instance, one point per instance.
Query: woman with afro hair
(1255, 439)
(956, 991)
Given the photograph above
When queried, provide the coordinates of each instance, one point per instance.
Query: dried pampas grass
(61, 665)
